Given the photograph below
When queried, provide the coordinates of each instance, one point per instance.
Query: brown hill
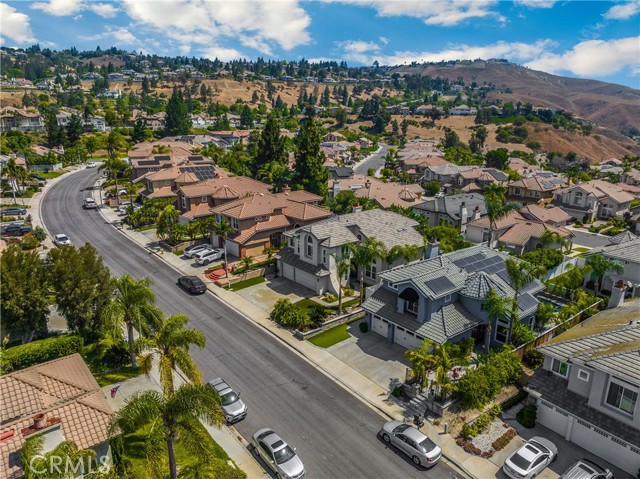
(611, 106)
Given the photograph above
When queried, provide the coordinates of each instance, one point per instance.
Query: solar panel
(526, 301)
(473, 267)
(532, 285)
(493, 269)
(439, 285)
(203, 172)
(504, 276)
(461, 262)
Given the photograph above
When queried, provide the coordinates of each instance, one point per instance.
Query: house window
(184, 202)
(518, 191)
(502, 331)
(371, 271)
(622, 398)
(297, 244)
(485, 236)
(577, 199)
(203, 199)
(411, 307)
(258, 218)
(324, 256)
(167, 182)
(234, 223)
(447, 298)
(583, 375)
(309, 246)
(560, 367)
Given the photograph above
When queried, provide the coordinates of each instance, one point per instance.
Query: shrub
(364, 327)
(578, 224)
(494, 410)
(36, 352)
(521, 334)
(533, 358)
(39, 233)
(348, 291)
(318, 313)
(329, 298)
(29, 242)
(527, 415)
(397, 391)
(513, 400)
(482, 422)
(503, 440)
(469, 430)
(288, 314)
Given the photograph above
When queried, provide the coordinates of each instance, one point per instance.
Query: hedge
(36, 352)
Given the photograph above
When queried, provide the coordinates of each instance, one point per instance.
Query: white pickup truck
(89, 204)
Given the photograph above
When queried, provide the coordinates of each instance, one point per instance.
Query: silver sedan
(412, 442)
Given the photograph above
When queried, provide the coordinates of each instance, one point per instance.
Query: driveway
(373, 356)
(265, 295)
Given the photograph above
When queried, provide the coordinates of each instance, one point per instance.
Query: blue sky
(585, 39)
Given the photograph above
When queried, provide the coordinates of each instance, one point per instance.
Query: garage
(406, 339)
(254, 249)
(287, 271)
(549, 417)
(307, 280)
(380, 326)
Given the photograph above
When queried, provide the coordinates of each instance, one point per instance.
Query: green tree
(82, 287)
(133, 306)
(166, 220)
(24, 293)
(73, 459)
(433, 187)
(362, 256)
(497, 207)
(223, 230)
(497, 307)
(170, 418)
(114, 167)
(497, 158)
(600, 265)
(178, 120)
(288, 314)
(272, 147)
(246, 117)
(276, 174)
(520, 273)
(309, 173)
(408, 252)
(74, 130)
(170, 344)
(546, 314)
(343, 266)
(247, 262)
(521, 334)
(13, 173)
(139, 133)
(552, 237)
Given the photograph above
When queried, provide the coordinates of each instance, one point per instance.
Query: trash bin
(418, 420)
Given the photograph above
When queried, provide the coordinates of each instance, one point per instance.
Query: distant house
(551, 215)
(383, 194)
(454, 210)
(594, 199)
(624, 248)
(477, 230)
(476, 179)
(441, 298)
(631, 178)
(19, 119)
(59, 400)
(462, 110)
(525, 236)
(588, 388)
(533, 188)
(310, 256)
(110, 94)
(340, 172)
(332, 137)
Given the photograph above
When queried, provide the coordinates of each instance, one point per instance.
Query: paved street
(590, 240)
(375, 161)
(335, 433)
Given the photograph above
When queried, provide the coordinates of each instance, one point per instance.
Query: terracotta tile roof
(509, 220)
(178, 149)
(301, 196)
(546, 215)
(534, 183)
(305, 211)
(250, 206)
(385, 194)
(524, 230)
(274, 222)
(225, 187)
(186, 177)
(164, 192)
(63, 388)
(200, 211)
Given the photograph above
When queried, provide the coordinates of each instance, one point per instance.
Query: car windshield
(427, 445)
(283, 455)
(63, 238)
(520, 461)
(229, 398)
(401, 428)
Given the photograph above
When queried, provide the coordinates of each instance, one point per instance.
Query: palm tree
(600, 265)
(223, 230)
(169, 418)
(276, 174)
(114, 166)
(12, 172)
(421, 360)
(32, 454)
(343, 266)
(497, 307)
(166, 219)
(520, 273)
(132, 306)
(362, 256)
(497, 206)
(407, 252)
(170, 343)
(552, 237)
(246, 261)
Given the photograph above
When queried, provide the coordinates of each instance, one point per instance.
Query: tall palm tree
(170, 343)
(169, 418)
(552, 237)
(224, 229)
(362, 256)
(497, 307)
(497, 206)
(32, 454)
(12, 173)
(276, 174)
(600, 265)
(407, 252)
(520, 273)
(343, 266)
(114, 166)
(132, 306)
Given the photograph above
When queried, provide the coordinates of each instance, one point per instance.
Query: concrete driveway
(265, 295)
(372, 355)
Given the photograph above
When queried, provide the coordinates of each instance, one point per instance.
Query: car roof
(61, 235)
(415, 434)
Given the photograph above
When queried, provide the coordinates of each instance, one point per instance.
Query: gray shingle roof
(288, 256)
(479, 285)
(626, 250)
(451, 205)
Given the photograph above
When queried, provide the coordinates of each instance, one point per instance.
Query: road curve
(334, 432)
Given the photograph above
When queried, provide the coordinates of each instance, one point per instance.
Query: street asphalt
(375, 161)
(334, 432)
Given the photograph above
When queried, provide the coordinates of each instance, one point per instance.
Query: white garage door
(380, 326)
(549, 417)
(406, 339)
(307, 280)
(287, 271)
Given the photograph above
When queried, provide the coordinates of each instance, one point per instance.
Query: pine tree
(309, 173)
(271, 145)
(177, 121)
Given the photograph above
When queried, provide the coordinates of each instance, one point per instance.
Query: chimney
(433, 249)
(367, 184)
(287, 188)
(476, 213)
(617, 294)
(336, 188)
(357, 208)
(464, 216)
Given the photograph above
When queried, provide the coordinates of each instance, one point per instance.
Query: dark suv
(193, 284)
(15, 230)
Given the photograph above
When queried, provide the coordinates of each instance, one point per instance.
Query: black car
(14, 211)
(193, 284)
(15, 230)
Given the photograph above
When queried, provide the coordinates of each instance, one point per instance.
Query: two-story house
(446, 174)
(587, 389)
(476, 179)
(454, 210)
(594, 199)
(383, 194)
(311, 253)
(532, 189)
(551, 215)
(624, 248)
(441, 298)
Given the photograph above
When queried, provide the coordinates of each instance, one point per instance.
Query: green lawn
(117, 376)
(307, 304)
(331, 336)
(50, 174)
(247, 282)
(580, 249)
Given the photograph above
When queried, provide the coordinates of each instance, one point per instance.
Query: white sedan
(528, 461)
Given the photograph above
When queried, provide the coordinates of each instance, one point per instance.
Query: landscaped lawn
(247, 282)
(331, 336)
(117, 376)
(580, 249)
(307, 304)
(50, 174)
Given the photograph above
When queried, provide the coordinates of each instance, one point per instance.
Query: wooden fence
(547, 335)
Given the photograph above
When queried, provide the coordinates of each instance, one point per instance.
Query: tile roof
(451, 205)
(61, 388)
(546, 215)
(274, 222)
(225, 188)
(330, 232)
(164, 192)
(627, 249)
(601, 188)
(537, 182)
(385, 194)
(259, 204)
(509, 220)
(301, 196)
(288, 256)
(200, 211)
(305, 211)
(522, 232)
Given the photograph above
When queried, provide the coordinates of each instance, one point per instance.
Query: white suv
(206, 257)
(61, 239)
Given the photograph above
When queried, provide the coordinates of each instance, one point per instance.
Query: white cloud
(623, 11)
(15, 25)
(120, 35)
(595, 58)
(59, 8)
(105, 10)
(224, 54)
(442, 12)
(537, 3)
(358, 51)
(384, 40)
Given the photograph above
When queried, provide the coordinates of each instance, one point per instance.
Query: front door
(478, 334)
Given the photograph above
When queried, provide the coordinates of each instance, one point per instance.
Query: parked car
(89, 204)
(412, 442)
(278, 455)
(15, 229)
(13, 211)
(207, 256)
(193, 250)
(528, 461)
(122, 208)
(585, 469)
(193, 284)
(61, 239)
(233, 407)
(92, 164)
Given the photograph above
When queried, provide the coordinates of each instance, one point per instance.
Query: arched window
(309, 246)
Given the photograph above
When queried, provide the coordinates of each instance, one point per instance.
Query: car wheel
(205, 262)
(386, 438)
(416, 460)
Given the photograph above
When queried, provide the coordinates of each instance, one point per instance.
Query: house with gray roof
(589, 385)
(454, 210)
(624, 248)
(309, 258)
(441, 298)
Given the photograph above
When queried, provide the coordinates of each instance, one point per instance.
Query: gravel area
(484, 441)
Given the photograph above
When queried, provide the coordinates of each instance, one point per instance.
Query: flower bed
(493, 439)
